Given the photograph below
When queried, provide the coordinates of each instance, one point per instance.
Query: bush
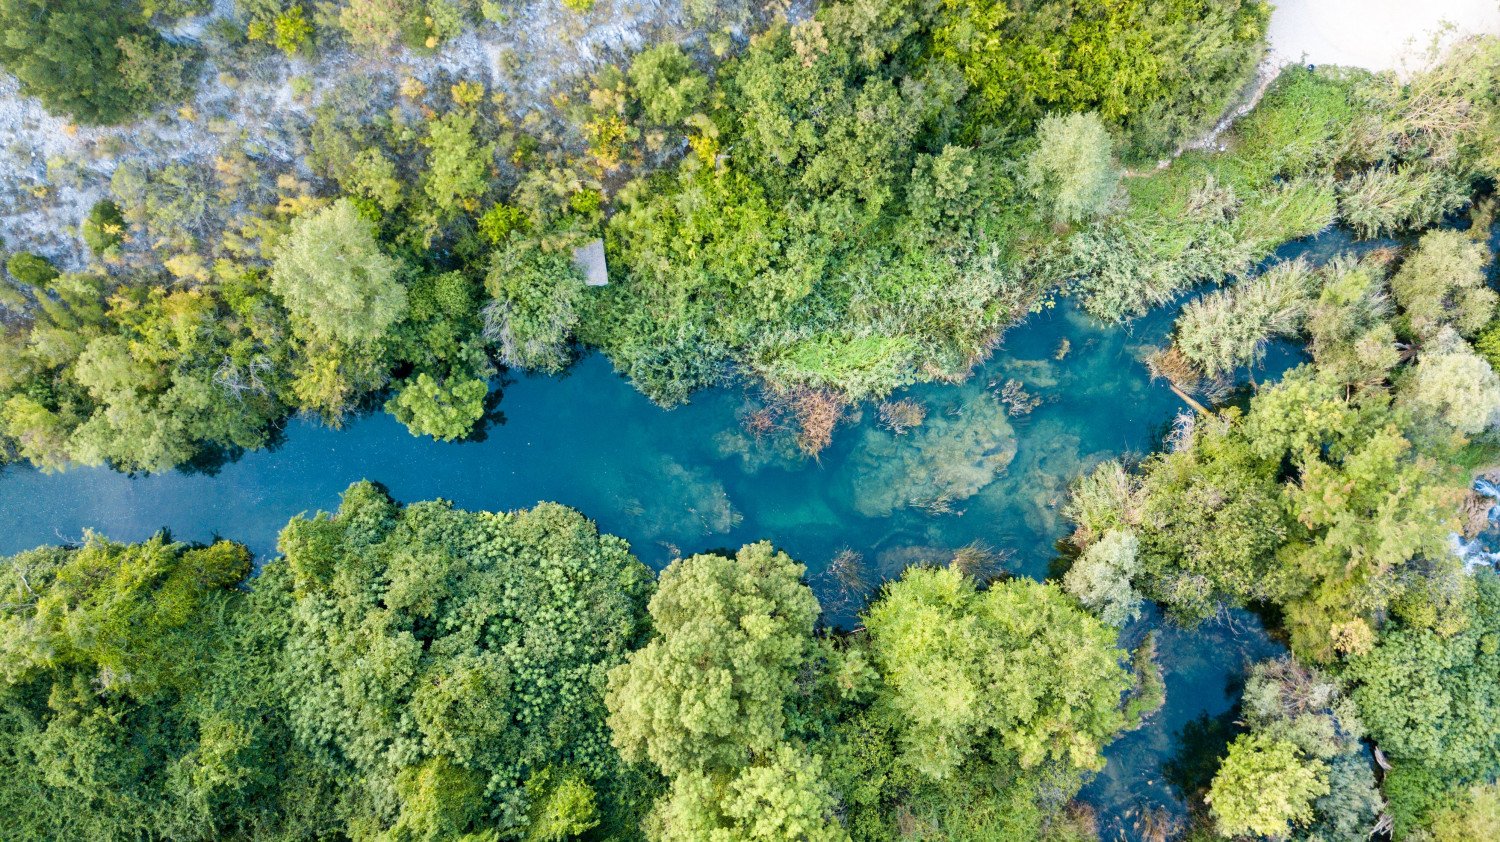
(104, 228)
(668, 85)
(1229, 328)
(1443, 284)
(91, 60)
(1071, 172)
(31, 269)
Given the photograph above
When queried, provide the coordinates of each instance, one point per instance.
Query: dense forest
(428, 673)
(822, 207)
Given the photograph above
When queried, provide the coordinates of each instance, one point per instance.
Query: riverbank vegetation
(1329, 501)
(827, 205)
(421, 672)
(834, 207)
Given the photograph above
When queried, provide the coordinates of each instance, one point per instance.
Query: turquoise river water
(691, 479)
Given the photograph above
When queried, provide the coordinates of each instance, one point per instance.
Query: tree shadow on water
(1200, 746)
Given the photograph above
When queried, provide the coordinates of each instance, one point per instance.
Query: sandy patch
(1374, 34)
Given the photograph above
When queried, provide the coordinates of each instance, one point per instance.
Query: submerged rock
(947, 460)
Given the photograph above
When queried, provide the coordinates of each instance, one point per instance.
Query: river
(691, 479)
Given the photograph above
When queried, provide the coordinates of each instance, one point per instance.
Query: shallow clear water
(692, 479)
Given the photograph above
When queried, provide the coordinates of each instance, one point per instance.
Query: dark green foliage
(33, 270)
(535, 296)
(1428, 700)
(842, 218)
(106, 695)
(92, 60)
(433, 652)
(421, 671)
(103, 228)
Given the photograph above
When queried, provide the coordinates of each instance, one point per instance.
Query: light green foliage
(1207, 216)
(1287, 702)
(458, 164)
(94, 61)
(430, 648)
(1456, 387)
(1265, 787)
(1385, 200)
(1229, 328)
(1443, 283)
(1348, 326)
(1428, 700)
(1101, 577)
(1071, 172)
(1476, 817)
(784, 798)
(947, 460)
(1162, 69)
(860, 367)
(334, 278)
(709, 691)
(40, 433)
(1015, 669)
(560, 811)
(291, 31)
(1369, 503)
(372, 176)
(500, 221)
(1106, 498)
(1487, 343)
(1210, 524)
(445, 411)
(667, 84)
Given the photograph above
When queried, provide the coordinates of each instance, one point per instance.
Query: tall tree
(335, 279)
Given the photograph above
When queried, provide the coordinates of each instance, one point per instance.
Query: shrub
(31, 269)
(104, 228)
(1101, 577)
(1071, 171)
(1265, 787)
(668, 85)
(1443, 283)
(1229, 328)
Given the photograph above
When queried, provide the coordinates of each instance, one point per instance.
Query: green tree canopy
(1017, 668)
(1265, 787)
(92, 60)
(1071, 172)
(334, 278)
(709, 691)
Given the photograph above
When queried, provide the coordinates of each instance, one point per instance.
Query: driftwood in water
(1188, 399)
